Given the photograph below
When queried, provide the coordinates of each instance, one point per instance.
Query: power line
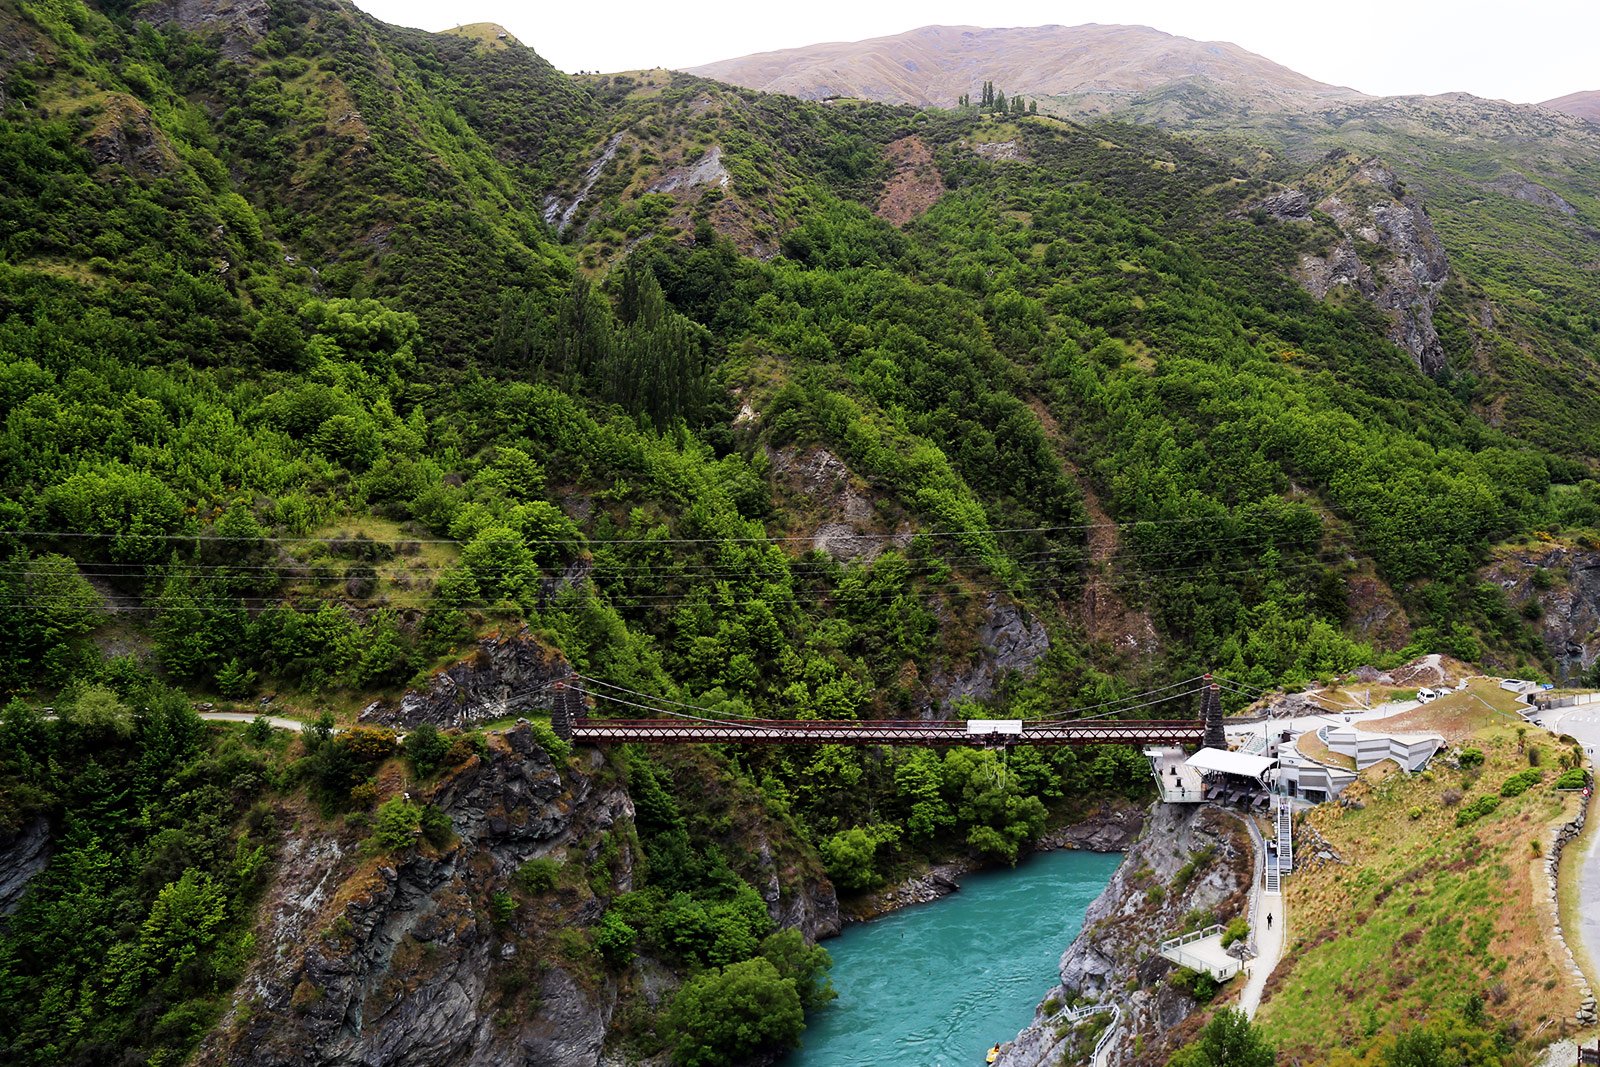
(765, 539)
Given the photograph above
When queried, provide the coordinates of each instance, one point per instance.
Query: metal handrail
(1191, 936)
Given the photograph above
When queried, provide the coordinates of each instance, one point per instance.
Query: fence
(1176, 951)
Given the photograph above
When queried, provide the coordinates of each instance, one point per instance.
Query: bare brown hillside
(1578, 105)
(934, 65)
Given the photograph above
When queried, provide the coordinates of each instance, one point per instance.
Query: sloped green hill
(327, 348)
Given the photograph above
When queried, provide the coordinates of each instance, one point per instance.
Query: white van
(1425, 694)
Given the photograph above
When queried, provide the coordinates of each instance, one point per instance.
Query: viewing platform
(1202, 951)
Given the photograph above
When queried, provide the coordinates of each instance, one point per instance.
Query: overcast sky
(1523, 52)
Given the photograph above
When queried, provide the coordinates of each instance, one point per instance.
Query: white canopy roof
(1241, 763)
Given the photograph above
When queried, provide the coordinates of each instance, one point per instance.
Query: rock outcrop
(1387, 249)
(1009, 639)
(1115, 958)
(506, 676)
(404, 963)
(820, 484)
(1564, 583)
(234, 26)
(22, 857)
(414, 960)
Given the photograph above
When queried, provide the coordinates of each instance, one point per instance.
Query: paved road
(1584, 723)
(276, 721)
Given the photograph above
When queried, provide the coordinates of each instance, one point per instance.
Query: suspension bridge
(687, 724)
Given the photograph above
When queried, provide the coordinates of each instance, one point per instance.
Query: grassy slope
(1423, 913)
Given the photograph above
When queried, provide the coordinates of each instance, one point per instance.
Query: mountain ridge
(1583, 105)
(934, 65)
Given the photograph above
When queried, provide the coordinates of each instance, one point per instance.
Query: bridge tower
(567, 710)
(1211, 713)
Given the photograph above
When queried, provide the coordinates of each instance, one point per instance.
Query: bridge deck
(885, 732)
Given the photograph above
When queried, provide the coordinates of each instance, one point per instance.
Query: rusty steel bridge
(571, 720)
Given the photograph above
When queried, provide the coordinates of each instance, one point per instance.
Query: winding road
(1583, 722)
(277, 722)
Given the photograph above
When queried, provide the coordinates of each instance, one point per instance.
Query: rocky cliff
(22, 857)
(1385, 247)
(417, 961)
(1559, 586)
(1190, 861)
(505, 676)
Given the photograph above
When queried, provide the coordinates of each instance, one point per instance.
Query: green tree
(806, 965)
(425, 747)
(734, 1015)
(1228, 1040)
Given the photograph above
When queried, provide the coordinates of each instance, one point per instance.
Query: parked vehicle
(1425, 694)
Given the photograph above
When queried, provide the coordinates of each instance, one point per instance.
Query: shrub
(850, 855)
(1415, 813)
(538, 875)
(437, 829)
(1450, 797)
(1197, 984)
(502, 907)
(1573, 779)
(1477, 810)
(259, 732)
(1521, 782)
(398, 826)
(1228, 1040)
(1471, 757)
(806, 965)
(1237, 930)
(614, 939)
(426, 748)
(559, 750)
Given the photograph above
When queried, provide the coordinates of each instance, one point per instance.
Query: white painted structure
(1224, 761)
(1300, 775)
(1410, 751)
(994, 726)
(1179, 783)
(1202, 951)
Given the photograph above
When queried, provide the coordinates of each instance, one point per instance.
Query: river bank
(937, 986)
(1189, 862)
(1108, 826)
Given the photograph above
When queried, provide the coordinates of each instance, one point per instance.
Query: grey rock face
(852, 529)
(393, 964)
(1288, 205)
(1402, 274)
(1117, 948)
(20, 859)
(1570, 607)
(505, 676)
(1519, 187)
(235, 25)
(400, 962)
(1008, 640)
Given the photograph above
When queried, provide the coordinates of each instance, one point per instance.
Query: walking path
(1268, 939)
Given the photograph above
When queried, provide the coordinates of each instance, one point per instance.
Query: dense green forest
(327, 348)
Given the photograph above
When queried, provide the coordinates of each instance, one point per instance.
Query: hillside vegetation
(330, 350)
(1438, 899)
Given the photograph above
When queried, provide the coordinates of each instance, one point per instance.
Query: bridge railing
(882, 731)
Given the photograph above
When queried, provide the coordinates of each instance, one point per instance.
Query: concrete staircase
(1275, 869)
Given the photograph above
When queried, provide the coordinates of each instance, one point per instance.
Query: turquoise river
(936, 984)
